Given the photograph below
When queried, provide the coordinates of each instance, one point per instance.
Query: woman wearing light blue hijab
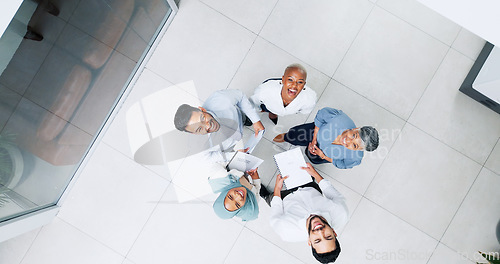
(238, 197)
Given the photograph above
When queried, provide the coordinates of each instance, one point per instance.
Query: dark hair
(369, 135)
(183, 115)
(328, 257)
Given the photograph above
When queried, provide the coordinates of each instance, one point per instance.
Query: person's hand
(317, 151)
(257, 126)
(310, 147)
(279, 183)
(310, 169)
(253, 173)
(244, 150)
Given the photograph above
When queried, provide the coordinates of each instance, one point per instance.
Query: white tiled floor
(427, 195)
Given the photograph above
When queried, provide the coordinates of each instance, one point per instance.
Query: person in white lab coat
(311, 213)
(286, 95)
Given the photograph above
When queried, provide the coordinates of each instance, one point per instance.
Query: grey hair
(297, 66)
(369, 135)
(183, 115)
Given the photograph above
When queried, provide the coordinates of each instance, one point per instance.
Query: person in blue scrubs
(332, 138)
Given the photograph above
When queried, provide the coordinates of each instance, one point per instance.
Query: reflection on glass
(57, 88)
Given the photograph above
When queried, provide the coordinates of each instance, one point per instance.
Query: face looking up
(293, 81)
(350, 139)
(202, 123)
(235, 198)
(321, 235)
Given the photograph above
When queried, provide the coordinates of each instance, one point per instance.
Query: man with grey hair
(222, 117)
(332, 138)
(286, 95)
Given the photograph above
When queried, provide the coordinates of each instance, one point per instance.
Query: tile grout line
(234, 243)
(491, 152)
(421, 30)
(429, 83)
(31, 244)
(385, 159)
(271, 242)
(353, 40)
(270, 14)
(147, 220)
(460, 206)
(398, 217)
(90, 236)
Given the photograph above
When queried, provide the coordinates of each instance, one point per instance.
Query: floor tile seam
(74, 10)
(271, 242)
(353, 40)
(467, 56)
(270, 14)
(67, 120)
(30, 245)
(489, 155)
(242, 61)
(351, 213)
(146, 222)
(66, 23)
(401, 219)
(132, 160)
(456, 38)
(2, 128)
(421, 30)
(429, 83)
(383, 161)
(433, 251)
(90, 236)
(462, 202)
(235, 241)
(297, 58)
(371, 101)
(446, 144)
(227, 17)
(457, 252)
(173, 83)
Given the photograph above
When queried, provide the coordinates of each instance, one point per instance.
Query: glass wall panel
(63, 65)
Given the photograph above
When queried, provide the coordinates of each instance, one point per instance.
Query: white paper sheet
(289, 164)
(252, 142)
(244, 162)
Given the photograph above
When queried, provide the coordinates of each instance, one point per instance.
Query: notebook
(289, 164)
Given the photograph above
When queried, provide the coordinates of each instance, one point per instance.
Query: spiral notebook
(289, 164)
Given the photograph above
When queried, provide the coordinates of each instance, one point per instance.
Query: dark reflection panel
(30, 55)
(8, 102)
(100, 98)
(59, 88)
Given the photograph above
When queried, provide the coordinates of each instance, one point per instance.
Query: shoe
(279, 138)
(247, 122)
(265, 194)
(274, 118)
(32, 35)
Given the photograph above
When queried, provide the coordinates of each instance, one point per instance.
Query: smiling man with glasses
(222, 117)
